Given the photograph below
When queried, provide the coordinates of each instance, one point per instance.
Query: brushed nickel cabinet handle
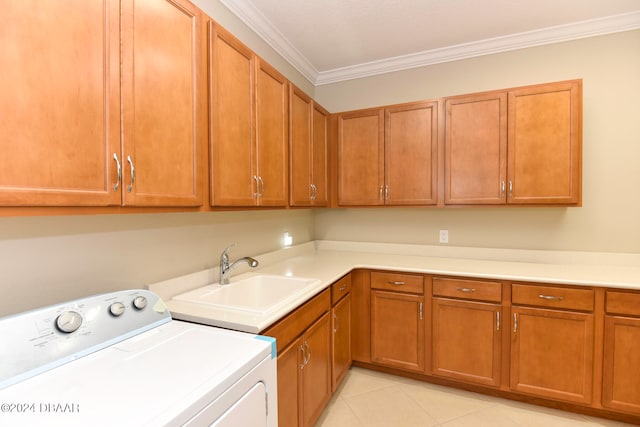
(380, 193)
(133, 174)
(497, 320)
(420, 311)
(515, 322)
(550, 297)
(335, 323)
(304, 357)
(466, 290)
(306, 343)
(502, 188)
(386, 192)
(395, 283)
(261, 186)
(510, 188)
(313, 191)
(117, 184)
(343, 288)
(257, 193)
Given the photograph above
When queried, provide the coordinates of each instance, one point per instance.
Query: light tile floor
(371, 399)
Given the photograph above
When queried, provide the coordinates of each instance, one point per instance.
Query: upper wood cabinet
(520, 146)
(61, 120)
(164, 103)
(545, 144)
(388, 156)
(411, 156)
(361, 157)
(249, 126)
(308, 133)
(476, 149)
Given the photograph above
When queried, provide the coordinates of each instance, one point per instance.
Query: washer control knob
(69, 321)
(116, 309)
(139, 303)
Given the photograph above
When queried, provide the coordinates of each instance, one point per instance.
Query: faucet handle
(226, 250)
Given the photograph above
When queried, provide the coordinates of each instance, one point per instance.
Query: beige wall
(51, 259)
(609, 220)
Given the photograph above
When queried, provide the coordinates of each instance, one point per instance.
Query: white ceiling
(334, 40)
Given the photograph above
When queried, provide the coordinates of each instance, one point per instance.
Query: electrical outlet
(444, 236)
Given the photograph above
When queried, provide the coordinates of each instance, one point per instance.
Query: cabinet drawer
(623, 303)
(341, 288)
(467, 289)
(290, 327)
(397, 282)
(553, 296)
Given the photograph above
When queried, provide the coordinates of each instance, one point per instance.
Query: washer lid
(161, 376)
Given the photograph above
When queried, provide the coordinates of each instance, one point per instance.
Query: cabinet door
(60, 120)
(319, 165)
(340, 340)
(300, 146)
(545, 140)
(467, 341)
(232, 150)
(361, 158)
(397, 330)
(621, 386)
(290, 365)
(361, 315)
(272, 124)
(552, 354)
(411, 154)
(316, 382)
(475, 149)
(164, 102)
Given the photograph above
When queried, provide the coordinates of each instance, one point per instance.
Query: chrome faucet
(226, 268)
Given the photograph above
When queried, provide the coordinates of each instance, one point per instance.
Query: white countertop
(328, 261)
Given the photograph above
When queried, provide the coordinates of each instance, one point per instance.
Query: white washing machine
(118, 359)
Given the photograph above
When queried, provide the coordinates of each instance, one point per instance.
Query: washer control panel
(41, 339)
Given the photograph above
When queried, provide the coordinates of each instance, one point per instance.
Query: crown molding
(549, 35)
(252, 17)
(256, 21)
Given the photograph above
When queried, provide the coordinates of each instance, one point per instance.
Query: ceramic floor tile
(445, 404)
(370, 399)
(532, 416)
(389, 406)
(487, 417)
(360, 381)
(338, 414)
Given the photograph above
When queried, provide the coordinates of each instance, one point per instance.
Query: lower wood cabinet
(552, 349)
(340, 330)
(315, 371)
(467, 341)
(303, 341)
(621, 364)
(397, 321)
(289, 381)
(467, 330)
(543, 343)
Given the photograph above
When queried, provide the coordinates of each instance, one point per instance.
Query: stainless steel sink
(258, 294)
